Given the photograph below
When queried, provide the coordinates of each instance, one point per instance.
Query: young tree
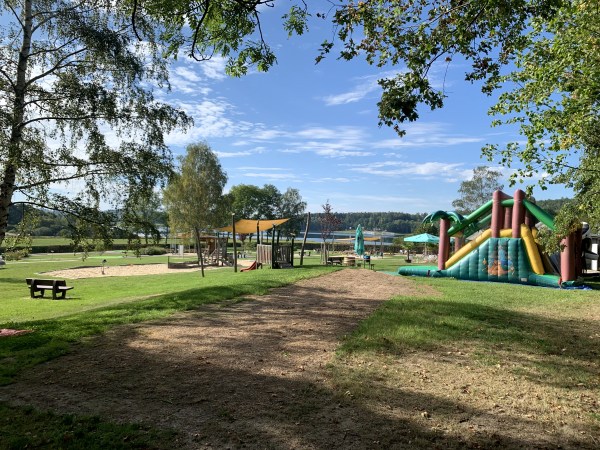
(478, 190)
(194, 197)
(328, 222)
(291, 206)
(71, 73)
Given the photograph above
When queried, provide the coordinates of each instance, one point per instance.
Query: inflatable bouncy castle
(504, 249)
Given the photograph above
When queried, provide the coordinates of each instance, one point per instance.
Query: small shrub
(15, 255)
(150, 251)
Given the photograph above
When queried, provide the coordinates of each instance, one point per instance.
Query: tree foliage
(194, 197)
(231, 28)
(478, 190)
(421, 34)
(291, 206)
(553, 95)
(256, 203)
(253, 202)
(555, 100)
(78, 117)
(79, 127)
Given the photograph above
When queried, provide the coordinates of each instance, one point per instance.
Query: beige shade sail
(247, 226)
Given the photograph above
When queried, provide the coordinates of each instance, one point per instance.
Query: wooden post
(234, 246)
(273, 247)
(304, 239)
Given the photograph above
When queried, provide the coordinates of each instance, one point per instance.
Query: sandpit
(128, 270)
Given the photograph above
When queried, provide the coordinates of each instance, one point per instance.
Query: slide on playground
(252, 266)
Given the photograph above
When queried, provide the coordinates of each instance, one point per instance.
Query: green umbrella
(425, 238)
(359, 241)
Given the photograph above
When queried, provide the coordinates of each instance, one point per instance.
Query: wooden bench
(335, 260)
(58, 287)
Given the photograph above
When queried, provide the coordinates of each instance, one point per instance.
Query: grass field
(548, 339)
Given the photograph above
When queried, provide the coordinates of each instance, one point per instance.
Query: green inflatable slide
(503, 260)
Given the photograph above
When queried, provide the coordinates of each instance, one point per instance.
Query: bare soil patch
(261, 373)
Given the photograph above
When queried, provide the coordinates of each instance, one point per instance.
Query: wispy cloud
(221, 154)
(449, 172)
(332, 179)
(214, 68)
(432, 134)
(363, 87)
(269, 176)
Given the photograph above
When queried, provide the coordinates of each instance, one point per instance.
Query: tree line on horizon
(51, 223)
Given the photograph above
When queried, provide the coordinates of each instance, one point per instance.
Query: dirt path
(247, 374)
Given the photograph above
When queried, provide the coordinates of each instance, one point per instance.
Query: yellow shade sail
(247, 226)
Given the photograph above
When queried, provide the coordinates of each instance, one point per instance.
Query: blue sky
(314, 128)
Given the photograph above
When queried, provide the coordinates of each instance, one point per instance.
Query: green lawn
(526, 329)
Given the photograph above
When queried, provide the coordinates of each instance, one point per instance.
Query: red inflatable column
(507, 218)
(567, 259)
(459, 241)
(529, 219)
(518, 214)
(497, 214)
(444, 249)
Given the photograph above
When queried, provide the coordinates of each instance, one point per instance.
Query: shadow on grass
(219, 388)
(53, 337)
(559, 352)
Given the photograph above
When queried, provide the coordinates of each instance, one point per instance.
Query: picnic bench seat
(59, 288)
(335, 260)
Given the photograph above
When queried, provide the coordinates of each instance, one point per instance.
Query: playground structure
(506, 251)
(274, 254)
(214, 253)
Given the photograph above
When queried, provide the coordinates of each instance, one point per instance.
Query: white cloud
(365, 86)
(448, 172)
(335, 180)
(275, 169)
(272, 176)
(214, 68)
(233, 154)
(186, 73)
(432, 134)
